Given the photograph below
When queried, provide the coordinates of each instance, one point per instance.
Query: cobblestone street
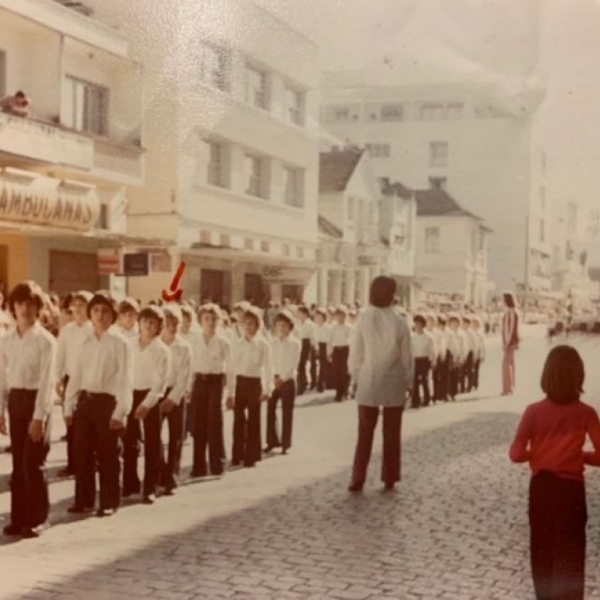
(456, 528)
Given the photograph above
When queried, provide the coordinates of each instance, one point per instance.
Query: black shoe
(248, 465)
(12, 529)
(356, 486)
(284, 452)
(217, 473)
(197, 473)
(134, 492)
(169, 492)
(76, 509)
(269, 449)
(106, 512)
(34, 532)
(149, 499)
(389, 486)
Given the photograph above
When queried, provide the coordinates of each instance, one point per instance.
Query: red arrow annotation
(175, 293)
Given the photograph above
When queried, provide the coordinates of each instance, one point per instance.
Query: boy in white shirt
(252, 367)
(322, 335)
(172, 405)
(338, 350)
(306, 334)
(479, 338)
(127, 321)
(423, 354)
(466, 376)
(455, 345)
(286, 352)
(152, 364)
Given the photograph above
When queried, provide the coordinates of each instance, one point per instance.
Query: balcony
(39, 141)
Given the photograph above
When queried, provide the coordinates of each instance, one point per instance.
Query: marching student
(98, 399)
(468, 340)
(70, 340)
(510, 343)
(551, 438)
(286, 351)
(338, 350)
(322, 335)
(479, 356)
(27, 372)
(212, 369)
(423, 355)
(443, 360)
(127, 321)
(172, 405)
(186, 329)
(239, 310)
(306, 334)
(151, 366)
(454, 345)
(253, 370)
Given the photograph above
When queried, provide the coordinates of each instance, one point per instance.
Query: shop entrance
(254, 289)
(212, 286)
(292, 292)
(72, 271)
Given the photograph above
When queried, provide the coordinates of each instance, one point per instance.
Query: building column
(350, 287)
(336, 287)
(364, 283)
(322, 286)
(237, 284)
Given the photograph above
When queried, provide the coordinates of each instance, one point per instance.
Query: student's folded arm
(519, 450)
(593, 458)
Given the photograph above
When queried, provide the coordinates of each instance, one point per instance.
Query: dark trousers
(339, 365)
(170, 457)
(29, 501)
(131, 448)
(95, 441)
(307, 355)
(246, 422)
(475, 374)
(71, 464)
(207, 398)
(287, 393)
(392, 425)
(557, 521)
(453, 377)
(421, 380)
(441, 376)
(323, 381)
(466, 375)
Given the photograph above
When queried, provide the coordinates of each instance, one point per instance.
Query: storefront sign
(39, 202)
(161, 263)
(109, 261)
(135, 265)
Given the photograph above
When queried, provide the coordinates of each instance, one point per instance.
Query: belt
(97, 395)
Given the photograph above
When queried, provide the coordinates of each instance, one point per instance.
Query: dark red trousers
(392, 447)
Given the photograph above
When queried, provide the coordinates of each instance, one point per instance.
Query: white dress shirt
(131, 335)
(306, 330)
(452, 345)
(381, 361)
(323, 333)
(28, 362)
(340, 335)
(212, 358)
(286, 354)
(469, 341)
(105, 366)
(252, 358)
(151, 366)
(180, 374)
(480, 345)
(422, 345)
(70, 340)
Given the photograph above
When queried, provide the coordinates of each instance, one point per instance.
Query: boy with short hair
(423, 354)
(338, 350)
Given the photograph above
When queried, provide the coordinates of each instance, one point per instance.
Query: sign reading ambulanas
(49, 202)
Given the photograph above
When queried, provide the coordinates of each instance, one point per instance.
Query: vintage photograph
(299, 299)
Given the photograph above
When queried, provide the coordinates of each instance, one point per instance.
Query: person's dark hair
(285, 317)
(420, 319)
(563, 375)
(22, 292)
(304, 310)
(106, 299)
(382, 292)
(20, 94)
(66, 302)
(153, 312)
(509, 300)
(252, 313)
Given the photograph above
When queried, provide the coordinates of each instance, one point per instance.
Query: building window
(216, 165)
(392, 112)
(214, 67)
(431, 111)
(87, 106)
(438, 183)
(294, 106)
(293, 182)
(432, 239)
(257, 88)
(438, 154)
(256, 176)
(379, 150)
(342, 113)
(455, 110)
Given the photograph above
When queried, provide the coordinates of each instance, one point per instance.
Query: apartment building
(232, 120)
(477, 141)
(68, 169)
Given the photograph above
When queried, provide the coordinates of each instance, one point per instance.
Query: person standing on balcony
(510, 343)
(27, 371)
(17, 105)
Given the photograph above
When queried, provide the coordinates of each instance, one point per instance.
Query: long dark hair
(563, 375)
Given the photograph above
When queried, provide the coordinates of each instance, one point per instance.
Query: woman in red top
(551, 437)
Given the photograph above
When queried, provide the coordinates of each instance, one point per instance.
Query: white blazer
(380, 360)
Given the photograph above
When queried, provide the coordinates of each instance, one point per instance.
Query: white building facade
(233, 148)
(476, 141)
(67, 170)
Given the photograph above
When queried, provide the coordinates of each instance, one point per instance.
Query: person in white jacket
(381, 364)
